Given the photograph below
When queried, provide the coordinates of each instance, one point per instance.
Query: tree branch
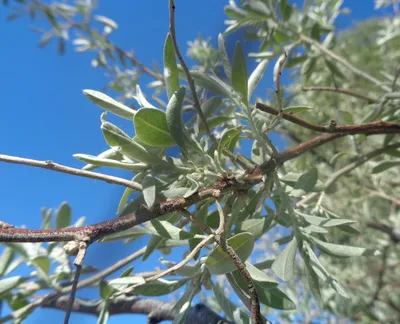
(97, 231)
(348, 168)
(76, 172)
(393, 234)
(155, 310)
(378, 127)
(345, 63)
(253, 305)
(343, 91)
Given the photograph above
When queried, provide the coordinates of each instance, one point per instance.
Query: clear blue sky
(45, 116)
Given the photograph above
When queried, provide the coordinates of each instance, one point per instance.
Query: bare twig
(345, 63)
(378, 127)
(343, 91)
(380, 284)
(251, 305)
(76, 172)
(347, 169)
(171, 269)
(393, 234)
(278, 93)
(254, 301)
(106, 272)
(281, 63)
(78, 264)
(383, 195)
(185, 68)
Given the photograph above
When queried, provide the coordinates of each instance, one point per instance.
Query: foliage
(305, 244)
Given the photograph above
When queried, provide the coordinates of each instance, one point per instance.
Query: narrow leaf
(344, 251)
(239, 73)
(174, 118)
(63, 216)
(256, 76)
(116, 137)
(171, 72)
(167, 230)
(225, 59)
(229, 138)
(296, 109)
(307, 181)
(284, 264)
(141, 99)
(149, 190)
(218, 262)
(109, 104)
(380, 167)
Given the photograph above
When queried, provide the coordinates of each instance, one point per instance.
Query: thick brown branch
(378, 127)
(156, 310)
(76, 172)
(343, 91)
(97, 231)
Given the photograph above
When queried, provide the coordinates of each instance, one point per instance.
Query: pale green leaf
(383, 166)
(218, 262)
(307, 181)
(116, 137)
(149, 190)
(152, 129)
(63, 216)
(96, 162)
(141, 99)
(256, 76)
(171, 73)
(229, 139)
(10, 283)
(225, 59)
(167, 230)
(174, 118)
(296, 109)
(284, 264)
(239, 73)
(344, 251)
(109, 104)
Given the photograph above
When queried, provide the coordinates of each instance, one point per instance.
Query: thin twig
(384, 196)
(347, 169)
(110, 270)
(380, 284)
(378, 127)
(78, 264)
(343, 91)
(345, 63)
(185, 68)
(76, 172)
(278, 93)
(254, 301)
(251, 305)
(171, 269)
(393, 234)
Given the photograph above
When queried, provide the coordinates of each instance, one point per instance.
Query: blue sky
(45, 116)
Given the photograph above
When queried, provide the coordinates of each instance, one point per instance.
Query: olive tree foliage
(307, 232)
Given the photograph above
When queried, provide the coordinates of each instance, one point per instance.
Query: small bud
(71, 248)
